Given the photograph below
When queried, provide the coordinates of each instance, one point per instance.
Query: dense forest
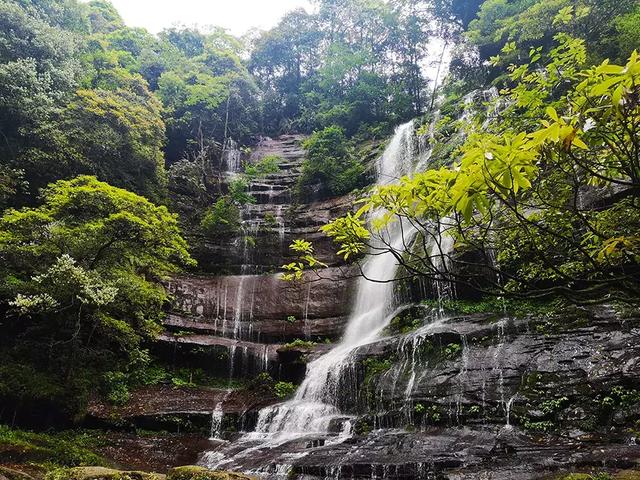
(129, 159)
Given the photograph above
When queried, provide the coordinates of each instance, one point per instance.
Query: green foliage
(403, 324)
(533, 23)
(508, 306)
(314, 75)
(539, 426)
(71, 448)
(122, 136)
(117, 387)
(330, 164)
(428, 413)
(451, 351)
(550, 246)
(628, 29)
(238, 191)
(375, 366)
(196, 473)
(284, 389)
(304, 250)
(298, 344)
(266, 166)
(223, 218)
(551, 407)
(82, 274)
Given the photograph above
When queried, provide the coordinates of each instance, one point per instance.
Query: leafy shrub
(452, 350)
(298, 343)
(71, 448)
(267, 166)
(116, 387)
(374, 366)
(330, 164)
(222, 218)
(403, 323)
(284, 389)
(238, 191)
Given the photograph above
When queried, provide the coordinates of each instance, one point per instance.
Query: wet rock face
(478, 396)
(260, 307)
(460, 397)
(543, 374)
(459, 454)
(276, 218)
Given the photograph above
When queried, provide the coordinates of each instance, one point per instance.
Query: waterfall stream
(315, 408)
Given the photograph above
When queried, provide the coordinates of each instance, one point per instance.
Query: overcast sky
(237, 16)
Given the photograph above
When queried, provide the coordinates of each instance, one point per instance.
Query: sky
(237, 16)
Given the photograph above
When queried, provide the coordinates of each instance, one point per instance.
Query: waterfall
(314, 407)
(216, 422)
(231, 156)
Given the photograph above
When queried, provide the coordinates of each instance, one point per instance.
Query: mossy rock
(11, 474)
(192, 472)
(627, 475)
(100, 473)
(623, 475)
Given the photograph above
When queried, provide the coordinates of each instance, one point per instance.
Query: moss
(298, 343)
(514, 307)
(541, 427)
(201, 473)
(100, 473)
(362, 427)
(403, 323)
(68, 449)
(627, 475)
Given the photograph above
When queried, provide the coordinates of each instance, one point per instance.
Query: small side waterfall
(231, 156)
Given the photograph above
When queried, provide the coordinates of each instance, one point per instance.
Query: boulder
(192, 472)
(101, 473)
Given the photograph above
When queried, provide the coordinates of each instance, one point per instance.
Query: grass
(62, 449)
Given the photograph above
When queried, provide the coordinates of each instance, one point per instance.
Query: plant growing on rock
(330, 163)
(223, 218)
(284, 389)
(266, 166)
(298, 343)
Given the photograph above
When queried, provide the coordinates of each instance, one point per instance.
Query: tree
(282, 60)
(120, 136)
(551, 187)
(534, 23)
(80, 281)
(103, 16)
(39, 70)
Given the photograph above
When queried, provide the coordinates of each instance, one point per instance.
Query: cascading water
(315, 405)
(314, 409)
